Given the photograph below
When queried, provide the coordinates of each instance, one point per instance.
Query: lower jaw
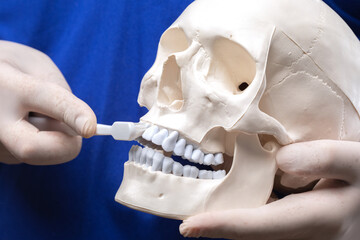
(153, 192)
(248, 184)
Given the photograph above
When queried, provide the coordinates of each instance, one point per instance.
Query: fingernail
(182, 229)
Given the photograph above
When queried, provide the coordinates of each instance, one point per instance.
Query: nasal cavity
(170, 91)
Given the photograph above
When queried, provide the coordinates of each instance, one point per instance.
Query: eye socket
(173, 40)
(232, 67)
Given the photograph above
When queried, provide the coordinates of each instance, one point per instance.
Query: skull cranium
(240, 78)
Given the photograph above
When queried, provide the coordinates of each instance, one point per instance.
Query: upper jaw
(162, 143)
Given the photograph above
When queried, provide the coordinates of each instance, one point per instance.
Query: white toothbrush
(125, 131)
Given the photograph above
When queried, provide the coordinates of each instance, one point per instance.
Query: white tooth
(177, 169)
(187, 171)
(218, 159)
(143, 156)
(202, 156)
(157, 161)
(159, 138)
(188, 151)
(209, 159)
(180, 147)
(219, 174)
(197, 156)
(149, 157)
(205, 174)
(169, 143)
(132, 153)
(167, 165)
(194, 172)
(138, 154)
(150, 132)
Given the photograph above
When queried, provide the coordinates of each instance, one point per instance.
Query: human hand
(330, 211)
(41, 119)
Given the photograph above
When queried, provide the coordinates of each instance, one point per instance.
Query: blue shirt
(103, 48)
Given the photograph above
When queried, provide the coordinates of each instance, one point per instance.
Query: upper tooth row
(158, 162)
(172, 142)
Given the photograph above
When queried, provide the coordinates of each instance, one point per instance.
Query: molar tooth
(177, 169)
(180, 147)
(157, 161)
(188, 151)
(218, 159)
(149, 157)
(167, 165)
(143, 156)
(150, 132)
(205, 174)
(187, 171)
(138, 154)
(159, 137)
(209, 159)
(194, 172)
(169, 143)
(219, 174)
(197, 156)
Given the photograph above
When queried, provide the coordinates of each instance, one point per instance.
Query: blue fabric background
(103, 49)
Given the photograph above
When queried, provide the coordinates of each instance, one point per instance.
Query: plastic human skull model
(233, 80)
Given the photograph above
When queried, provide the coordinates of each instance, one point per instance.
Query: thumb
(209, 224)
(321, 159)
(56, 102)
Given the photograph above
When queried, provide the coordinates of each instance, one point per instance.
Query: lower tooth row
(158, 162)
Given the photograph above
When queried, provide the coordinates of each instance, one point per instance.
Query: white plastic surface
(125, 131)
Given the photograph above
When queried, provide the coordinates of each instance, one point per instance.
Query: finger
(321, 159)
(29, 145)
(303, 216)
(57, 102)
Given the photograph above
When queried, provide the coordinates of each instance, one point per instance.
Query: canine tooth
(177, 169)
(187, 171)
(150, 132)
(194, 172)
(157, 161)
(218, 159)
(188, 151)
(209, 159)
(143, 156)
(167, 165)
(219, 174)
(159, 138)
(131, 153)
(149, 157)
(138, 154)
(197, 156)
(205, 174)
(169, 143)
(179, 149)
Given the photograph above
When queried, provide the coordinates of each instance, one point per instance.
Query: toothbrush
(124, 131)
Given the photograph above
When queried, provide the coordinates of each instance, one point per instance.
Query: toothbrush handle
(103, 129)
(123, 131)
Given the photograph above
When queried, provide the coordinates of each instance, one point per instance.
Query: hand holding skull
(330, 211)
(33, 95)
